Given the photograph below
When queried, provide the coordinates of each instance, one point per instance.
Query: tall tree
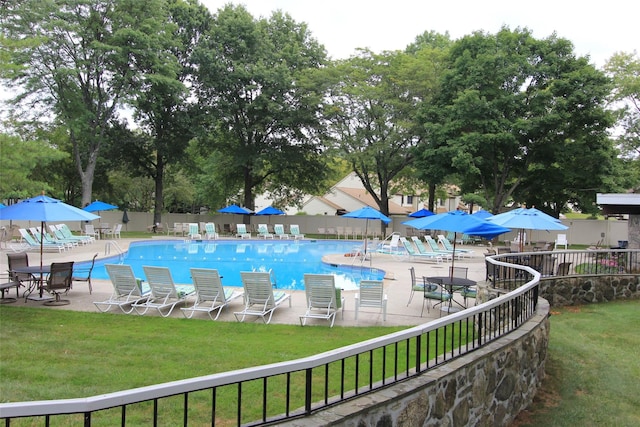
(252, 82)
(161, 100)
(511, 105)
(370, 113)
(22, 166)
(624, 69)
(431, 51)
(76, 61)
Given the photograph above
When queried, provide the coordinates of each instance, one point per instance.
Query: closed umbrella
(527, 219)
(44, 209)
(458, 222)
(367, 213)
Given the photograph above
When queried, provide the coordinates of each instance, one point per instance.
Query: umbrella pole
(41, 251)
(453, 255)
(366, 229)
(521, 242)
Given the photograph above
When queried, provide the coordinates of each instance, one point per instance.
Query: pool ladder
(112, 244)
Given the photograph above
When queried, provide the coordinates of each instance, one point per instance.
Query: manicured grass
(97, 353)
(56, 354)
(593, 368)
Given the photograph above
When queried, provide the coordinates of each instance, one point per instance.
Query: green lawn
(593, 368)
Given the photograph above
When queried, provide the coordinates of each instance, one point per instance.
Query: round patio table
(37, 274)
(449, 284)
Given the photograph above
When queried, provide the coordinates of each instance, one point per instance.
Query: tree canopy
(370, 113)
(516, 117)
(219, 107)
(76, 61)
(252, 83)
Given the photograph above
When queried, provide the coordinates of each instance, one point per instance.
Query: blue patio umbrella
(44, 209)
(421, 213)
(458, 222)
(270, 210)
(527, 219)
(235, 209)
(482, 214)
(2, 205)
(99, 206)
(367, 213)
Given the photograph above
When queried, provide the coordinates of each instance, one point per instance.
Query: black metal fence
(506, 275)
(273, 393)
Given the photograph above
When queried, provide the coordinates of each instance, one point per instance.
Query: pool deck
(397, 288)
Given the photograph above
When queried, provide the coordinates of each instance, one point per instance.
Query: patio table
(38, 275)
(450, 284)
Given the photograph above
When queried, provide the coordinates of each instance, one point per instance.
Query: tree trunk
(86, 175)
(158, 206)
(432, 198)
(248, 195)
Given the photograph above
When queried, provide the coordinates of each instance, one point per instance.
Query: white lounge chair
(56, 236)
(294, 229)
(241, 231)
(67, 234)
(194, 232)
(210, 231)
(34, 245)
(165, 294)
(259, 297)
(279, 230)
(127, 289)
(422, 249)
(263, 231)
(211, 296)
(372, 295)
(48, 238)
(415, 255)
(446, 244)
(323, 298)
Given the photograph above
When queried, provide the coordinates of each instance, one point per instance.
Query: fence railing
(559, 263)
(276, 392)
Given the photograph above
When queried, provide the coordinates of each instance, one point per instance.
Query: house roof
(365, 198)
(325, 201)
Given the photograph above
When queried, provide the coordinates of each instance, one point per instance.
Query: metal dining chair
(81, 277)
(59, 282)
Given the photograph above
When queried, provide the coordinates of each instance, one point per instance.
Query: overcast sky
(595, 29)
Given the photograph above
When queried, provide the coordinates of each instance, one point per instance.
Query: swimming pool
(289, 260)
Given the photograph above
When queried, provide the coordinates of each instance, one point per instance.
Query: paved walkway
(397, 287)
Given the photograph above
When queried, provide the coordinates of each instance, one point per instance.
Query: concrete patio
(397, 287)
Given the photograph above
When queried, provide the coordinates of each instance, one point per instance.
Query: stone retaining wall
(488, 387)
(568, 290)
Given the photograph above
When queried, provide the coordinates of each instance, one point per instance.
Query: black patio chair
(59, 282)
(19, 260)
(79, 274)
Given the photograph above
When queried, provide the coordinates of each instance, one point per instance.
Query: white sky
(595, 29)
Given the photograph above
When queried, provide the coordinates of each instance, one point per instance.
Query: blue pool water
(289, 260)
